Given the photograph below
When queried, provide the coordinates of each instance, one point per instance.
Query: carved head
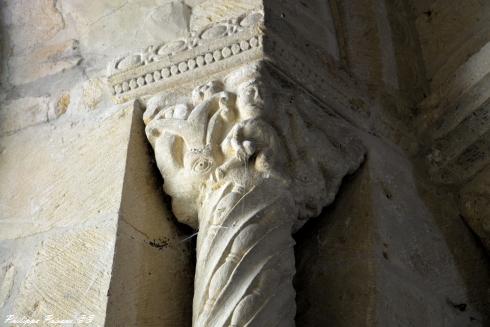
(185, 153)
(205, 91)
(248, 94)
(184, 171)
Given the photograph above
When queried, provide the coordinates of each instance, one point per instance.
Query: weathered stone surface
(81, 35)
(56, 252)
(168, 21)
(92, 93)
(450, 32)
(215, 49)
(27, 28)
(18, 114)
(210, 11)
(43, 62)
(103, 27)
(453, 122)
(335, 261)
(73, 266)
(152, 275)
(475, 205)
(309, 23)
(382, 257)
(59, 211)
(38, 197)
(193, 3)
(7, 281)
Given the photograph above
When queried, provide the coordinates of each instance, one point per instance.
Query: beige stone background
(403, 244)
(74, 233)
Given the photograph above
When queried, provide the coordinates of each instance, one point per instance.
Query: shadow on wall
(389, 252)
(334, 278)
(469, 254)
(153, 269)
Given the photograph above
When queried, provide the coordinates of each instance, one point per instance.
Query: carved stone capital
(250, 135)
(260, 34)
(247, 159)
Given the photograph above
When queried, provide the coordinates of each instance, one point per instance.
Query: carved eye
(251, 92)
(201, 165)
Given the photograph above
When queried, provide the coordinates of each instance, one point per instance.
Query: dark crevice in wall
(187, 234)
(337, 14)
(321, 269)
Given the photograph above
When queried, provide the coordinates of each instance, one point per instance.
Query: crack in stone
(112, 12)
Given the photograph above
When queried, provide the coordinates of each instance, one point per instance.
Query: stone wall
(60, 207)
(86, 229)
(453, 121)
(70, 163)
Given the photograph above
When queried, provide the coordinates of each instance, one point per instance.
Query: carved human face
(205, 91)
(184, 171)
(184, 155)
(187, 148)
(248, 94)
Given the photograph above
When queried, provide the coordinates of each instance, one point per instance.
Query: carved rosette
(246, 166)
(215, 47)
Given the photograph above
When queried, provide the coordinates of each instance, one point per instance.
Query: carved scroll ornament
(246, 167)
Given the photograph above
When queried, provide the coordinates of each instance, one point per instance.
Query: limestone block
(27, 28)
(7, 281)
(84, 221)
(21, 113)
(42, 191)
(43, 61)
(168, 21)
(465, 76)
(70, 275)
(193, 3)
(86, 97)
(362, 39)
(103, 27)
(36, 46)
(59, 205)
(152, 275)
(455, 118)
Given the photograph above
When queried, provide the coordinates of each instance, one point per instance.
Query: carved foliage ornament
(246, 166)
